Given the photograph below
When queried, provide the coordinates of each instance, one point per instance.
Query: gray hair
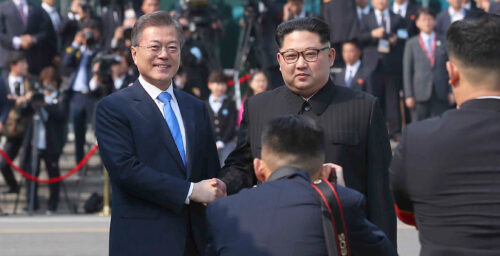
(155, 19)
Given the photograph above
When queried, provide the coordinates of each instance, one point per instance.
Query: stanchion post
(106, 211)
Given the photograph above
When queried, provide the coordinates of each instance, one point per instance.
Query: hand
(393, 39)
(339, 172)
(207, 191)
(378, 32)
(451, 99)
(27, 41)
(79, 39)
(410, 102)
(118, 33)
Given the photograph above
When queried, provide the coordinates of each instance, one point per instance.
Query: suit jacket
(149, 180)
(254, 221)
(224, 121)
(420, 77)
(389, 62)
(443, 21)
(364, 80)
(342, 19)
(410, 19)
(55, 125)
(356, 139)
(495, 8)
(71, 62)
(37, 25)
(446, 170)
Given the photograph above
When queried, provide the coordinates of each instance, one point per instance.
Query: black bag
(94, 203)
(334, 227)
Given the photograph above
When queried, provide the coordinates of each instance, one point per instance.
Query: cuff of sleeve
(220, 144)
(16, 42)
(189, 193)
(92, 84)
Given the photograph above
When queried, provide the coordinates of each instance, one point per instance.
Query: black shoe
(11, 191)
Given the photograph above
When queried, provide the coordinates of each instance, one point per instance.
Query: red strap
(341, 213)
(430, 57)
(405, 216)
(331, 215)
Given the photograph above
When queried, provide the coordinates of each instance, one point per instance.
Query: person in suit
(445, 174)
(356, 137)
(408, 11)
(455, 12)
(282, 216)
(355, 75)
(50, 134)
(426, 88)
(383, 35)
(158, 147)
(17, 117)
(362, 8)
(54, 40)
(78, 59)
(223, 114)
(25, 27)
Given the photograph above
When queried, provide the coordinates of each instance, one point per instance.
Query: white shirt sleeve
(189, 193)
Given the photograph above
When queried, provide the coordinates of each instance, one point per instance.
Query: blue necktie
(348, 81)
(172, 123)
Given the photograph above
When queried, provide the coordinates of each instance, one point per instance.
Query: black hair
(354, 42)
(427, 11)
(14, 57)
(475, 42)
(217, 77)
(295, 136)
(313, 25)
(154, 19)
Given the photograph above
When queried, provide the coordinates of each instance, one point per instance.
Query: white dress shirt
(385, 14)
(428, 40)
(216, 104)
(154, 92)
(456, 16)
(12, 81)
(351, 70)
(467, 6)
(400, 9)
(54, 16)
(361, 12)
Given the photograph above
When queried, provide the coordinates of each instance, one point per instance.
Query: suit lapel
(15, 10)
(188, 115)
(147, 107)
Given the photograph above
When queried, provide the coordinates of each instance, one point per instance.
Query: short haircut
(50, 73)
(427, 11)
(475, 42)
(297, 141)
(217, 77)
(313, 25)
(14, 57)
(91, 23)
(154, 19)
(354, 42)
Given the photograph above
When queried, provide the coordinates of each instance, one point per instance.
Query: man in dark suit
(426, 86)
(283, 215)
(445, 172)
(25, 27)
(455, 12)
(356, 136)
(495, 8)
(54, 41)
(355, 75)
(383, 35)
(78, 60)
(158, 147)
(408, 11)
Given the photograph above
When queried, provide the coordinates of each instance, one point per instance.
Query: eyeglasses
(156, 49)
(309, 55)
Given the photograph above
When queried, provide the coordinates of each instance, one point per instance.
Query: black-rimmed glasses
(156, 49)
(309, 55)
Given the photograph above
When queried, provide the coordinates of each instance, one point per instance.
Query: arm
(380, 209)
(397, 174)
(212, 158)
(408, 61)
(365, 33)
(44, 26)
(117, 150)
(237, 172)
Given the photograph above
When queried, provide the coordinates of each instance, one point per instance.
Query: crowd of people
(325, 96)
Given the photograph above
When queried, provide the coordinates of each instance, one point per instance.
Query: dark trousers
(11, 148)
(432, 107)
(190, 248)
(390, 84)
(82, 113)
(52, 165)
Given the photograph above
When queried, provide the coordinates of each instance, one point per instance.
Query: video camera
(199, 12)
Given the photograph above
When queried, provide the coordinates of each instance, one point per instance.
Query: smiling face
(302, 77)
(157, 68)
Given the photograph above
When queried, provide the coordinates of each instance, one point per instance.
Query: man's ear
(453, 73)
(331, 56)
(133, 51)
(259, 166)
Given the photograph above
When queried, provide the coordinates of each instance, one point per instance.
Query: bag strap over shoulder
(334, 226)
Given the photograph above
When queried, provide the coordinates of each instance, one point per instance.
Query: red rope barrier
(51, 180)
(241, 80)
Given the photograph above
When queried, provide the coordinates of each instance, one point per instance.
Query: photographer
(78, 59)
(110, 74)
(51, 106)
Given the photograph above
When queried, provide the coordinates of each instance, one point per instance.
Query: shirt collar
(154, 91)
(319, 101)
(48, 8)
(467, 6)
(354, 67)
(403, 6)
(384, 12)
(17, 2)
(13, 79)
(489, 97)
(221, 99)
(425, 37)
(452, 12)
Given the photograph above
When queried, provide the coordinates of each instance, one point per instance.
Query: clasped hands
(207, 191)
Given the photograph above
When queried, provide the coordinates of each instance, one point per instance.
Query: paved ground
(87, 235)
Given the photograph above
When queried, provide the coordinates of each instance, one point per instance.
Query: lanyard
(429, 56)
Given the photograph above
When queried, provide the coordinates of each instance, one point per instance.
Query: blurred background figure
(257, 83)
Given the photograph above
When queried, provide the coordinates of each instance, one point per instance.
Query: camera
(104, 73)
(89, 39)
(199, 12)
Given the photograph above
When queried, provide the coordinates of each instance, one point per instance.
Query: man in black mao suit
(382, 38)
(283, 215)
(445, 173)
(355, 74)
(28, 31)
(356, 137)
(408, 11)
(157, 145)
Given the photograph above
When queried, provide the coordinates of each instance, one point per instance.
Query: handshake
(207, 191)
